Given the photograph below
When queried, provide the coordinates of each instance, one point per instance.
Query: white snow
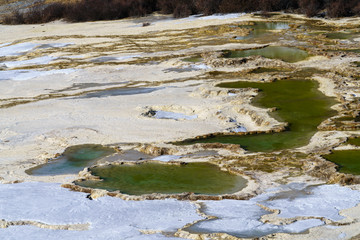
(21, 48)
(17, 49)
(112, 59)
(4, 44)
(74, 56)
(113, 218)
(322, 201)
(201, 66)
(167, 158)
(241, 218)
(173, 115)
(222, 16)
(238, 129)
(34, 61)
(109, 218)
(214, 16)
(21, 75)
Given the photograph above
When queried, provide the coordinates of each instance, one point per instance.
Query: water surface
(258, 29)
(354, 141)
(347, 160)
(147, 178)
(73, 160)
(286, 54)
(298, 102)
(118, 92)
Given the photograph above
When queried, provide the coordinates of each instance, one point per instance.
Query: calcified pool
(258, 29)
(147, 178)
(286, 54)
(348, 161)
(298, 102)
(73, 160)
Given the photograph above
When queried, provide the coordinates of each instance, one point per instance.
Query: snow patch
(213, 17)
(4, 44)
(21, 75)
(322, 201)
(201, 66)
(109, 218)
(113, 59)
(173, 115)
(242, 218)
(34, 61)
(238, 129)
(17, 49)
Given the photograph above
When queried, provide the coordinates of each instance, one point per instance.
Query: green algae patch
(73, 160)
(268, 70)
(286, 54)
(354, 141)
(347, 160)
(147, 178)
(298, 102)
(258, 29)
(341, 35)
(194, 59)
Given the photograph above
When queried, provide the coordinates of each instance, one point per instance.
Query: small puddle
(353, 50)
(298, 102)
(347, 160)
(268, 70)
(261, 28)
(118, 92)
(194, 59)
(341, 35)
(286, 54)
(73, 160)
(147, 178)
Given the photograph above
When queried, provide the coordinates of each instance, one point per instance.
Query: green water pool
(258, 29)
(341, 35)
(298, 102)
(347, 160)
(73, 160)
(286, 54)
(147, 178)
(194, 59)
(354, 141)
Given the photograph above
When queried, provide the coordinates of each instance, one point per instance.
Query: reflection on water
(298, 102)
(286, 54)
(261, 28)
(147, 178)
(118, 92)
(74, 159)
(347, 160)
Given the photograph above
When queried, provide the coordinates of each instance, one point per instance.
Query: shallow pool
(147, 178)
(73, 160)
(347, 160)
(298, 102)
(286, 54)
